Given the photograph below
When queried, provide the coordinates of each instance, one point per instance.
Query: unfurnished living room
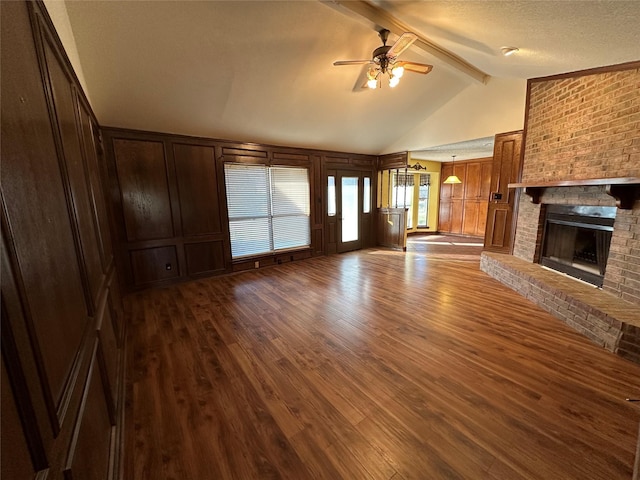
(320, 240)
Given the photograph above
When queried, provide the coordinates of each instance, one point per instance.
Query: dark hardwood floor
(372, 364)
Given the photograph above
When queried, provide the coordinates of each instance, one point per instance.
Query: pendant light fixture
(452, 178)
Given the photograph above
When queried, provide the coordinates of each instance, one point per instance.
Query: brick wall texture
(578, 128)
(583, 127)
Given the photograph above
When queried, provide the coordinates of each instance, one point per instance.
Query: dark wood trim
(585, 182)
(392, 161)
(626, 190)
(589, 71)
(228, 146)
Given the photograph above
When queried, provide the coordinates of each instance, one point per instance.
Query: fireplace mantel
(626, 190)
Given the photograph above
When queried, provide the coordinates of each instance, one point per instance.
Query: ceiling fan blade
(415, 67)
(351, 62)
(404, 42)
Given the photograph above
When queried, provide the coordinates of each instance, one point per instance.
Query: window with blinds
(268, 208)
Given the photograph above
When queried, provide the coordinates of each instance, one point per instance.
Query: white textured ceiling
(262, 71)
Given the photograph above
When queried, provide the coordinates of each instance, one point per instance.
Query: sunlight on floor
(429, 242)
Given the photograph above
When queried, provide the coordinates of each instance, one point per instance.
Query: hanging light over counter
(453, 178)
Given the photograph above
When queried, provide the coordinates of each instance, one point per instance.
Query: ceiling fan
(385, 60)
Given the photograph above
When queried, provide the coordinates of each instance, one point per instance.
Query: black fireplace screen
(576, 240)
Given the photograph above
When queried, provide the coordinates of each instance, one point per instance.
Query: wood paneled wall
(463, 206)
(62, 320)
(169, 203)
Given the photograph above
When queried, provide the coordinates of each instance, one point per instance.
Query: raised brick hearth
(581, 130)
(605, 319)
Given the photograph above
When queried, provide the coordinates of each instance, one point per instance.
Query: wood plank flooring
(369, 365)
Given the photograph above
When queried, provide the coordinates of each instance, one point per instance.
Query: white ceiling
(262, 71)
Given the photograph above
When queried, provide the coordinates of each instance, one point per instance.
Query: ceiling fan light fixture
(372, 78)
(398, 71)
(508, 51)
(383, 61)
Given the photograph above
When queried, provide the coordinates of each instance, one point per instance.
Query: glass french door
(348, 196)
(349, 210)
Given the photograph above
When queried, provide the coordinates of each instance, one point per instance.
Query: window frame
(270, 216)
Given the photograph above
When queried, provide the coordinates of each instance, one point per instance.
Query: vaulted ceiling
(263, 71)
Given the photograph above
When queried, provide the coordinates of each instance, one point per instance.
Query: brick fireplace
(582, 147)
(622, 276)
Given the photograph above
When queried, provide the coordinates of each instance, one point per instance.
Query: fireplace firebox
(576, 240)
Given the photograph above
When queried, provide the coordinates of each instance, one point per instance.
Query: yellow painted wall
(433, 168)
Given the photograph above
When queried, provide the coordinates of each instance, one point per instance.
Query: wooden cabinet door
(506, 169)
(457, 214)
(470, 217)
(444, 217)
(457, 189)
(473, 181)
(446, 190)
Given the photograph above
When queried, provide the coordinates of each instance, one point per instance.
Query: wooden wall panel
(114, 303)
(35, 202)
(109, 356)
(90, 138)
(154, 264)
(16, 460)
(65, 107)
(55, 257)
(204, 257)
(185, 177)
(36, 413)
(88, 457)
(392, 228)
(197, 189)
(142, 178)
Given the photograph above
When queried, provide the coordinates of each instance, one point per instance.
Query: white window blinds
(268, 208)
